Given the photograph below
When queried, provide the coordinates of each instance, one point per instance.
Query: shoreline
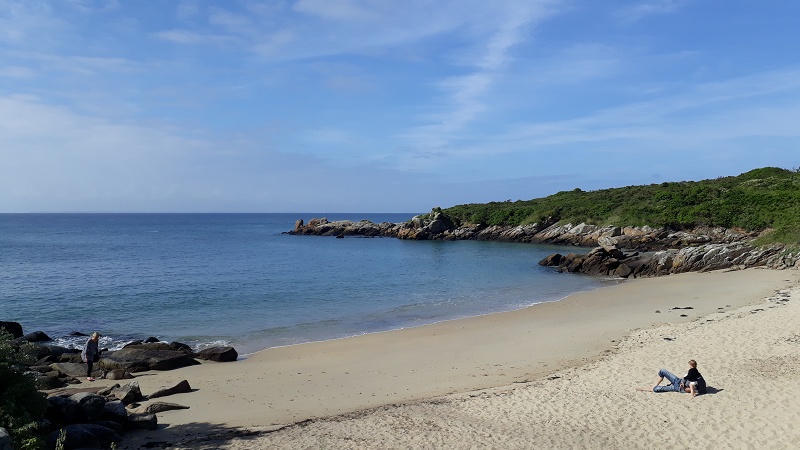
(279, 387)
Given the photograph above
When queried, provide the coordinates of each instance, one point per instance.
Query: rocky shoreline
(81, 416)
(618, 251)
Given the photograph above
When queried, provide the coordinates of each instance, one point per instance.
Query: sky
(384, 106)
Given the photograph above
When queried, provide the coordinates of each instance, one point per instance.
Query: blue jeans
(675, 382)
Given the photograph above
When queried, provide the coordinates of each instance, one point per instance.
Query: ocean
(237, 279)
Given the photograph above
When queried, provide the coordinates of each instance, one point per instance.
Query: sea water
(238, 279)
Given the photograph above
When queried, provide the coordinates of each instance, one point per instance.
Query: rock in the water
(14, 328)
(36, 336)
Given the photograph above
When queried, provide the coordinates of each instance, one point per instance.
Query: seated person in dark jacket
(693, 382)
(696, 383)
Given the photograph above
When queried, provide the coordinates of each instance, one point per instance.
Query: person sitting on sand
(692, 383)
(697, 385)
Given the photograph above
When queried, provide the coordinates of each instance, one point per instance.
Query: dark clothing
(90, 355)
(694, 375)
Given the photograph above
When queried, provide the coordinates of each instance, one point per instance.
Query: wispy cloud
(640, 10)
(464, 96)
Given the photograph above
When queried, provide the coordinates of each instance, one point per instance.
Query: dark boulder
(36, 336)
(139, 358)
(84, 436)
(115, 411)
(13, 328)
(90, 406)
(218, 354)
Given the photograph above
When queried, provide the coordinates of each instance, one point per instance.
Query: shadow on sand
(195, 435)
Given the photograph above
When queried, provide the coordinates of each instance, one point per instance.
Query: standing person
(91, 353)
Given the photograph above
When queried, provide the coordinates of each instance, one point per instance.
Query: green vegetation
(761, 199)
(21, 404)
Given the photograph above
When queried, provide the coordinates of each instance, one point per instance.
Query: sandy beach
(557, 375)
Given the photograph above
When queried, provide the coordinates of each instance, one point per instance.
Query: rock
(75, 369)
(118, 374)
(219, 354)
(36, 336)
(151, 339)
(107, 390)
(128, 393)
(141, 421)
(85, 436)
(139, 358)
(158, 407)
(90, 406)
(48, 382)
(623, 271)
(62, 410)
(13, 328)
(552, 260)
(181, 388)
(115, 411)
(5, 440)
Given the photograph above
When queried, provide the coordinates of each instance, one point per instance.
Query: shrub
(21, 403)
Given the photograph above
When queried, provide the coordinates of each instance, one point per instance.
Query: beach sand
(553, 376)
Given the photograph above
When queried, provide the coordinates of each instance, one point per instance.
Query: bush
(22, 406)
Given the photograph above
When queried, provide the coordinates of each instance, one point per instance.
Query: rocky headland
(616, 251)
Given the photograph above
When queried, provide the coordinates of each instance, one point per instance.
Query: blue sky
(384, 106)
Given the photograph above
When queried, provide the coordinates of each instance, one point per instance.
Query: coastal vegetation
(21, 404)
(762, 200)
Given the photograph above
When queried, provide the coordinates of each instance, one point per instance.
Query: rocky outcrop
(612, 261)
(94, 417)
(620, 251)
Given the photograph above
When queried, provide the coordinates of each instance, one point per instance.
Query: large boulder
(36, 336)
(91, 407)
(85, 436)
(13, 328)
(139, 358)
(115, 411)
(218, 354)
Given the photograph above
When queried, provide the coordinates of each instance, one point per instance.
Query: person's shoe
(89, 379)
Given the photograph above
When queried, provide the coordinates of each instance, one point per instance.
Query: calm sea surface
(209, 279)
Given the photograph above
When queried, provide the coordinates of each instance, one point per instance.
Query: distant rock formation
(620, 251)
